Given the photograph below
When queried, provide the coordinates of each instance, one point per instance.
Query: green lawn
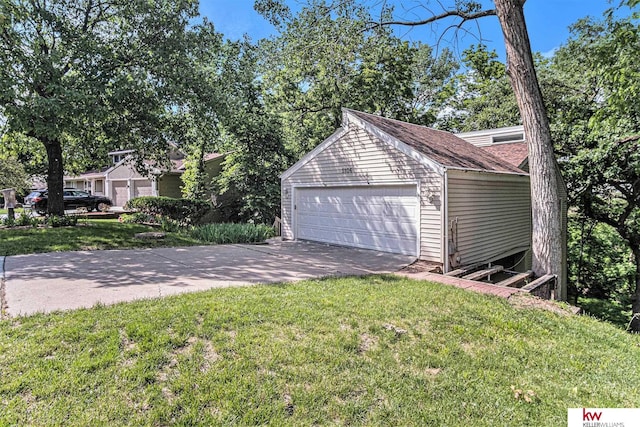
(363, 351)
(88, 235)
(608, 310)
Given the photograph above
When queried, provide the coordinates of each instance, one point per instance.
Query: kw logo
(590, 416)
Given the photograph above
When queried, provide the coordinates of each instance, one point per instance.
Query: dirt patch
(210, 356)
(523, 300)
(395, 329)
(421, 266)
(367, 342)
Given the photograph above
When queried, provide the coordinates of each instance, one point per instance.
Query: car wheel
(103, 207)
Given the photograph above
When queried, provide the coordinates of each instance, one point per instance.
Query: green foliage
(327, 57)
(600, 261)
(27, 220)
(254, 142)
(481, 97)
(27, 151)
(609, 310)
(13, 174)
(8, 222)
(137, 218)
(61, 221)
(82, 78)
(226, 233)
(592, 84)
(194, 177)
(166, 209)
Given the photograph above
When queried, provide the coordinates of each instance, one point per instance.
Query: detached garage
(396, 187)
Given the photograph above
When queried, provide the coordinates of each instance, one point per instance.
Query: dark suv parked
(73, 199)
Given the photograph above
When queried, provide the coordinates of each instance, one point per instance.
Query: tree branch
(466, 16)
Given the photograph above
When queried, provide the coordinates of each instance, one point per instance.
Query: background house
(122, 181)
(392, 186)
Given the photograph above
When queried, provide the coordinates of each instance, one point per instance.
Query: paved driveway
(67, 280)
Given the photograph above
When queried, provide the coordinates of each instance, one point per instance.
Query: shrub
(61, 221)
(181, 211)
(232, 233)
(25, 219)
(137, 218)
(8, 222)
(22, 220)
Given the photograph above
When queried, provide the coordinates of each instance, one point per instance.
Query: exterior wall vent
(502, 139)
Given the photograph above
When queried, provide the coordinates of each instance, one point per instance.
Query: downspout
(445, 221)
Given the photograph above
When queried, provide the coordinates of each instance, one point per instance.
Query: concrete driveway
(68, 280)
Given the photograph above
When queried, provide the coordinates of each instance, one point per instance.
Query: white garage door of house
(384, 218)
(142, 188)
(120, 192)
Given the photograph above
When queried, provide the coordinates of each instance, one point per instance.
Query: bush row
(225, 233)
(26, 220)
(155, 209)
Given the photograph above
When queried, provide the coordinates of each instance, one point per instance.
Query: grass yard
(88, 235)
(363, 351)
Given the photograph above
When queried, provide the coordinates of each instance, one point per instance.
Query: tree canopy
(592, 101)
(83, 77)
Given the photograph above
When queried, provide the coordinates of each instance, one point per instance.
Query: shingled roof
(514, 153)
(442, 147)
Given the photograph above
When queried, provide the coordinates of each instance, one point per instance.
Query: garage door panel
(374, 217)
(142, 188)
(396, 227)
(120, 192)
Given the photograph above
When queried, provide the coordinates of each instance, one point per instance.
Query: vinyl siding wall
(357, 157)
(170, 186)
(493, 213)
(124, 171)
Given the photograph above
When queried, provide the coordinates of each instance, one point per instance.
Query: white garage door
(142, 188)
(119, 193)
(383, 218)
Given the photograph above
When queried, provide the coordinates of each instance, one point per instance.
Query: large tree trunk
(634, 326)
(545, 200)
(55, 177)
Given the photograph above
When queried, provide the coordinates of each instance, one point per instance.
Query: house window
(99, 186)
(502, 139)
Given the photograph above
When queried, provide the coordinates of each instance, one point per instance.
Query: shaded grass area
(378, 350)
(608, 310)
(87, 235)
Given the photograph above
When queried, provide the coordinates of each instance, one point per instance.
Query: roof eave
(523, 173)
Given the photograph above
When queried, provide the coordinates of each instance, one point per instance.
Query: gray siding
(486, 137)
(124, 171)
(357, 157)
(478, 140)
(493, 212)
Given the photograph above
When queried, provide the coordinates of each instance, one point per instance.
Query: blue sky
(547, 21)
